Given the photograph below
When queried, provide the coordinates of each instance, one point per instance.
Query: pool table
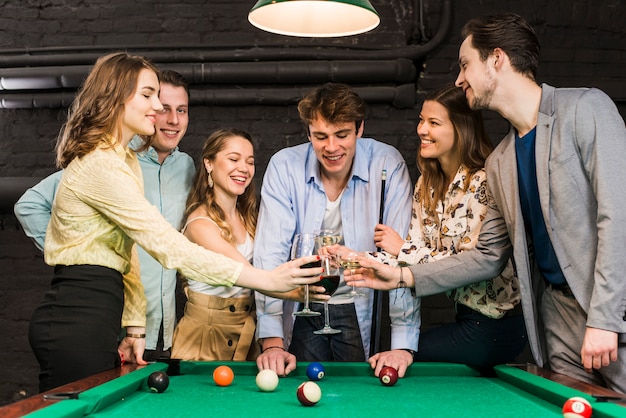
(348, 389)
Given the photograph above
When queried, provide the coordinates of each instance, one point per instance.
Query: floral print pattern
(454, 227)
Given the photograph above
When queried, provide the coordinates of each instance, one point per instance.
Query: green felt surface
(348, 390)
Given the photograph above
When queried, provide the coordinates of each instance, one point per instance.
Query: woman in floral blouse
(448, 209)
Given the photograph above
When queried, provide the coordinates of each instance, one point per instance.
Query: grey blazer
(581, 175)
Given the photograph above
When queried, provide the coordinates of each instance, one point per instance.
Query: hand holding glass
(303, 245)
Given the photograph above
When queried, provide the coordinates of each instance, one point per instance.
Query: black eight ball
(158, 382)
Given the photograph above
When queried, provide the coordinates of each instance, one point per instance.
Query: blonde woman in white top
(219, 322)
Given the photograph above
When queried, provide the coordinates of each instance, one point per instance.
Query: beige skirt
(215, 328)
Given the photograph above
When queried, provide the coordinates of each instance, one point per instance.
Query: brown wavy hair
(95, 114)
(203, 195)
(333, 102)
(470, 138)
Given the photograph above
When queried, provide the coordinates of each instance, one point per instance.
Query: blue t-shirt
(531, 209)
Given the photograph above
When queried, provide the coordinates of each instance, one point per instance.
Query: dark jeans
(345, 346)
(474, 339)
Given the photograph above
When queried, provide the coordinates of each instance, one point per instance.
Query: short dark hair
(173, 78)
(509, 32)
(333, 102)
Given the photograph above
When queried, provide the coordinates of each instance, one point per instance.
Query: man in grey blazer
(557, 197)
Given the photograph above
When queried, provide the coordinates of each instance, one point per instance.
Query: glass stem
(306, 297)
(326, 320)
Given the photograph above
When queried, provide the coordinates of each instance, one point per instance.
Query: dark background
(243, 77)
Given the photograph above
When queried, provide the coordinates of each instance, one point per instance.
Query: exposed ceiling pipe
(187, 59)
(29, 57)
(35, 74)
(402, 96)
(290, 72)
(52, 87)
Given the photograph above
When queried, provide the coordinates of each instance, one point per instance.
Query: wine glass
(349, 262)
(326, 237)
(302, 246)
(330, 281)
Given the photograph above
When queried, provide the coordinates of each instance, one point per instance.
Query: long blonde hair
(203, 195)
(470, 138)
(95, 114)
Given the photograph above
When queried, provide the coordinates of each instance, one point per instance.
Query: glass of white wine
(349, 261)
(326, 237)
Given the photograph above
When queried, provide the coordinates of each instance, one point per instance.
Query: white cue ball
(267, 380)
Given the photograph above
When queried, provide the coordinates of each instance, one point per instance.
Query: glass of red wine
(302, 246)
(330, 282)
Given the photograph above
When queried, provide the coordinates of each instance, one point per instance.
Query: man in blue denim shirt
(331, 182)
(167, 174)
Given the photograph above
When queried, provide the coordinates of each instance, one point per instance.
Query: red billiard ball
(223, 376)
(315, 371)
(158, 382)
(388, 376)
(309, 393)
(577, 407)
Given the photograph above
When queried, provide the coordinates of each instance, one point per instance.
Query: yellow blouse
(100, 212)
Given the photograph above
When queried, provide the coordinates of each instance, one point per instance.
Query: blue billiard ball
(315, 371)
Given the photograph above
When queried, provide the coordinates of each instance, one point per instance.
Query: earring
(210, 180)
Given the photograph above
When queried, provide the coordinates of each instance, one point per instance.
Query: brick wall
(582, 46)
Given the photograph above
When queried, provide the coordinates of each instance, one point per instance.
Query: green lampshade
(314, 18)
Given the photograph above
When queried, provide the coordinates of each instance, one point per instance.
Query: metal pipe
(402, 96)
(281, 72)
(29, 57)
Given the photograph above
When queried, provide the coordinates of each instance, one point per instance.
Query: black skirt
(74, 331)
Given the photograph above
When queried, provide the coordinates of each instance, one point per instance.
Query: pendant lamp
(314, 18)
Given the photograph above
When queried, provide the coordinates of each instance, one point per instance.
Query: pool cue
(376, 305)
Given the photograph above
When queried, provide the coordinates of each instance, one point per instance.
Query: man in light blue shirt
(167, 174)
(333, 181)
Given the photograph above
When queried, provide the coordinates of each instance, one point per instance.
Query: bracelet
(401, 283)
(408, 350)
(136, 335)
(274, 346)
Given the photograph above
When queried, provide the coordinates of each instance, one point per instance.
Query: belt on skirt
(463, 309)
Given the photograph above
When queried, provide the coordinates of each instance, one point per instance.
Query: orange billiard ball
(223, 376)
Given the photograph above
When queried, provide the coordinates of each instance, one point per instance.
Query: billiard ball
(309, 393)
(223, 376)
(577, 407)
(267, 380)
(315, 371)
(158, 382)
(388, 376)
